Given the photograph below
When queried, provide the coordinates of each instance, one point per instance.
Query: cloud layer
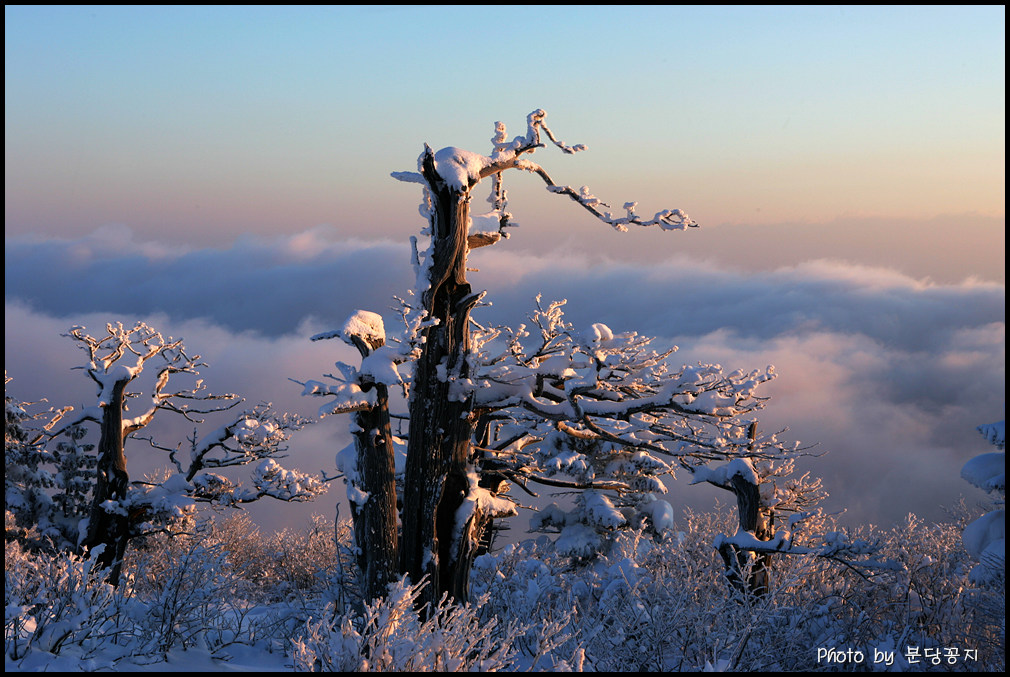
(887, 374)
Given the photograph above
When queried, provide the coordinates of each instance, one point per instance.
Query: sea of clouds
(886, 374)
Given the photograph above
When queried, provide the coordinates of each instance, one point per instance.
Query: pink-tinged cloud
(886, 374)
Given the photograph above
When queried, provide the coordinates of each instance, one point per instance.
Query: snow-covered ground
(233, 599)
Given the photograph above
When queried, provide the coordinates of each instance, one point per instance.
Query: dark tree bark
(749, 572)
(439, 541)
(110, 528)
(375, 520)
(441, 424)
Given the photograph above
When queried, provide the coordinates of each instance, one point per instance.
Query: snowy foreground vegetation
(229, 598)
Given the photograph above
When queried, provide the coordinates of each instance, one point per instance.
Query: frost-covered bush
(649, 605)
(642, 605)
(53, 601)
(196, 591)
(390, 636)
(262, 568)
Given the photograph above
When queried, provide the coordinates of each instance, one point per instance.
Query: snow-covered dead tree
(587, 410)
(121, 510)
(114, 361)
(370, 471)
(439, 476)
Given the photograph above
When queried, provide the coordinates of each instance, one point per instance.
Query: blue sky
(274, 119)
(224, 174)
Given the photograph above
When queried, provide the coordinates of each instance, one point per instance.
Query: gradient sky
(224, 172)
(200, 124)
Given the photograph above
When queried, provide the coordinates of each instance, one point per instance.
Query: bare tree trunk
(110, 528)
(749, 572)
(441, 421)
(375, 519)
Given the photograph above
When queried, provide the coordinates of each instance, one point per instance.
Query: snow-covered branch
(119, 357)
(859, 555)
(256, 436)
(462, 170)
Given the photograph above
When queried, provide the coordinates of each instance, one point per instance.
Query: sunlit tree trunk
(441, 421)
(375, 535)
(750, 572)
(110, 528)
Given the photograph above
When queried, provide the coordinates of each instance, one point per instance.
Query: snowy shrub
(176, 593)
(53, 601)
(193, 599)
(648, 605)
(390, 636)
(224, 591)
(262, 568)
(522, 584)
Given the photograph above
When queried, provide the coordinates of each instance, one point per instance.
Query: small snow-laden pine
(985, 538)
(46, 491)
